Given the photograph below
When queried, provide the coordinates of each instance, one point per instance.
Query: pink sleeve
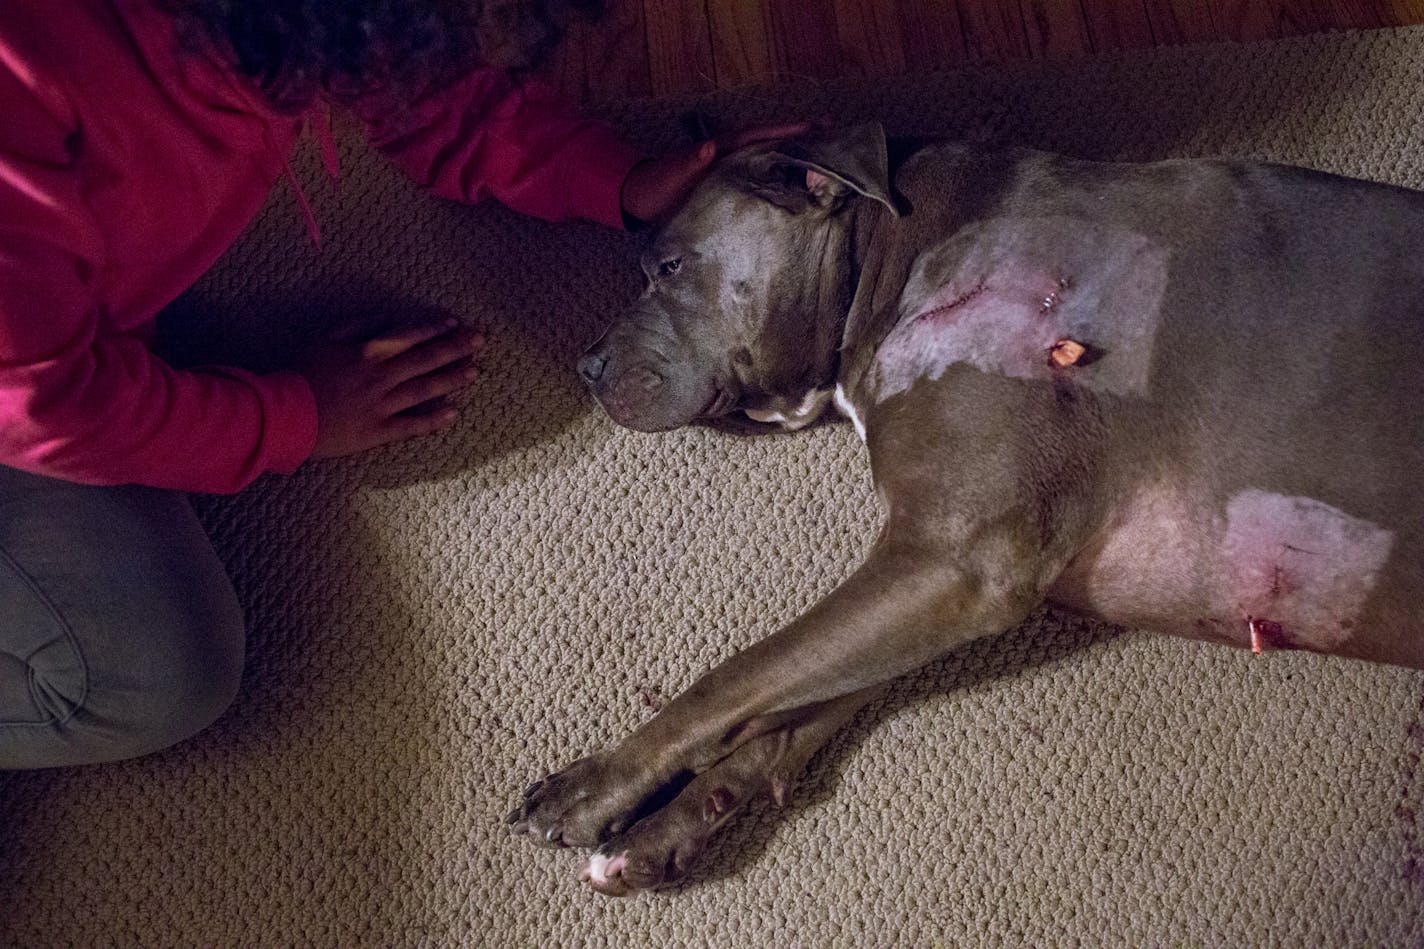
(486, 136)
(84, 405)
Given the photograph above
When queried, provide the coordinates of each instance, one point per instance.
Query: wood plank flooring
(669, 47)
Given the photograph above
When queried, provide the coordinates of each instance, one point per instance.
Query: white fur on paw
(601, 868)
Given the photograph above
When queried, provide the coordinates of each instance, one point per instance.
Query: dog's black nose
(590, 366)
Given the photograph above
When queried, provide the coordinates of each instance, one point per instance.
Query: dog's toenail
(532, 788)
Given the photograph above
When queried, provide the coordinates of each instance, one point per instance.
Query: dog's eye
(669, 267)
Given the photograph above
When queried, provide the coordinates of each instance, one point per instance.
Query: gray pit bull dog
(1181, 396)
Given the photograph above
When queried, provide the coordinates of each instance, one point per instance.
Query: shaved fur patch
(1300, 565)
(1001, 294)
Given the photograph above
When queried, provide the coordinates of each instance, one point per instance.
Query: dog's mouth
(635, 401)
(720, 405)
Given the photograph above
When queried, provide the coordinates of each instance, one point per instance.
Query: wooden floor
(668, 47)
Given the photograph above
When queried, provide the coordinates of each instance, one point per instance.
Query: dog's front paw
(657, 851)
(660, 849)
(579, 806)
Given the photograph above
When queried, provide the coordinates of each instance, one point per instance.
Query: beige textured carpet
(434, 626)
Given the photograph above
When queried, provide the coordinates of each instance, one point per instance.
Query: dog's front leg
(910, 602)
(662, 847)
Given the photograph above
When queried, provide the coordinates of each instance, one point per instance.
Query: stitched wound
(954, 304)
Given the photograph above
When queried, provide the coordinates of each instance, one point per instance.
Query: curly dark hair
(296, 51)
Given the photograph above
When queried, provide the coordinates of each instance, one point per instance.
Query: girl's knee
(120, 632)
(193, 681)
(178, 670)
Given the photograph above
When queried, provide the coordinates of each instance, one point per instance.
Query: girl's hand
(389, 388)
(656, 186)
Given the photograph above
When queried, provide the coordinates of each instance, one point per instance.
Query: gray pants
(119, 631)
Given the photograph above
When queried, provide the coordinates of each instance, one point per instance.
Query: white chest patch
(847, 408)
(793, 413)
(1297, 569)
(1000, 295)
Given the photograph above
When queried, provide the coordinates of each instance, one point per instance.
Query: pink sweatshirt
(127, 169)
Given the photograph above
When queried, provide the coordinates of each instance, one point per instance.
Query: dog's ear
(818, 171)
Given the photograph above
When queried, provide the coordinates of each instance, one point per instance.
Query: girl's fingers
(432, 355)
(429, 407)
(430, 386)
(384, 348)
(400, 427)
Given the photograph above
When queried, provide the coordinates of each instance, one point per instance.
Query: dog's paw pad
(718, 803)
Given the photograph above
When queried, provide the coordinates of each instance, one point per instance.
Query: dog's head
(746, 286)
